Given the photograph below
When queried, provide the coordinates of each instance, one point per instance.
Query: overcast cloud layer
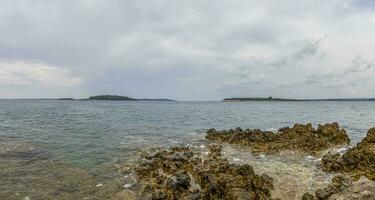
(187, 50)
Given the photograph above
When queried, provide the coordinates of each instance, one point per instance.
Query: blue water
(91, 133)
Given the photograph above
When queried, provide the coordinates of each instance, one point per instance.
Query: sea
(90, 136)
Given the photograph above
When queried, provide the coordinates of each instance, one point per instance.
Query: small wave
(272, 130)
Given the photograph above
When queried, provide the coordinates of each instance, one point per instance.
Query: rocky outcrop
(300, 137)
(180, 173)
(357, 161)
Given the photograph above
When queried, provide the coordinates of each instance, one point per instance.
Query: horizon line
(217, 100)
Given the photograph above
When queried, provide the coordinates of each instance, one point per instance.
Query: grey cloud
(364, 4)
(298, 51)
(180, 49)
(350, 76)
(359, 64)
(309, 49)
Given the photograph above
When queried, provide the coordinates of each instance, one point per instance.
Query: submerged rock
(343, 188)
(180, 173)
(300, 137)
(338, 184)
(357, 161)
(308, 196)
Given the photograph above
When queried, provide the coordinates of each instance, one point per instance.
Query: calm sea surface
(91, 133)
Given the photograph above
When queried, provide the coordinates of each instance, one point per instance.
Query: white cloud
(23, 73)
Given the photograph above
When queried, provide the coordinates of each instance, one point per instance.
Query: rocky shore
(183, 173)
(302, 138)
(357, 161)
(207, 170)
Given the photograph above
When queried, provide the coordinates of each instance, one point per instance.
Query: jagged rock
(324, 193)
(359, 160)
(371, 136)
(180, 173)
(183, 180)
(308, 196)
(300, 137)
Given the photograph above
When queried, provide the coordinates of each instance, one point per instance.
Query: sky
(187, 50)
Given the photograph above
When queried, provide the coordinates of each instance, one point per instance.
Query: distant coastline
(239, 99)
(97, 98)
(123, 98)
(232, 99)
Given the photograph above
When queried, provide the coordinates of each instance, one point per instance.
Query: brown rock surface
(180, 173)
(357, 161)
(303, 138)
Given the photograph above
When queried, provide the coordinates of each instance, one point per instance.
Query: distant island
(68, 99)
(122, 98)
(236, 99)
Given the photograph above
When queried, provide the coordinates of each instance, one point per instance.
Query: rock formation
(180, 173)
(357, 161)
(300, 137)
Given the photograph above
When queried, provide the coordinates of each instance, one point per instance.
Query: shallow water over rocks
(40, 177)
(294, 174)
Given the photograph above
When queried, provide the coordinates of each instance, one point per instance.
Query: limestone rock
(180, 173)
(303, 138)
(359, 160)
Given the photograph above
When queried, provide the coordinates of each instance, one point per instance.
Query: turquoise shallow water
(93, 133)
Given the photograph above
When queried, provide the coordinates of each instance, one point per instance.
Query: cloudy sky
(187, 50)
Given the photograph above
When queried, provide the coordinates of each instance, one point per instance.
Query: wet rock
(365, 190)
(27, 173)
(195, 196)
(303, 138)
(158, 196)
(180, 173)
(339, 183)
(371, 136)
(357, 161)
(267, 181)
(183, 180)
(240, 194)
(308, 196)
(324, 193)
(28, 154)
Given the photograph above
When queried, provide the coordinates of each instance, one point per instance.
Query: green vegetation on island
(67, 99)
(122, 98)
(112, 98)
(236, 99)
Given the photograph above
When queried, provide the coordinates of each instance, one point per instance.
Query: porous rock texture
(180, 173)
(357, 161)
(301, 138)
